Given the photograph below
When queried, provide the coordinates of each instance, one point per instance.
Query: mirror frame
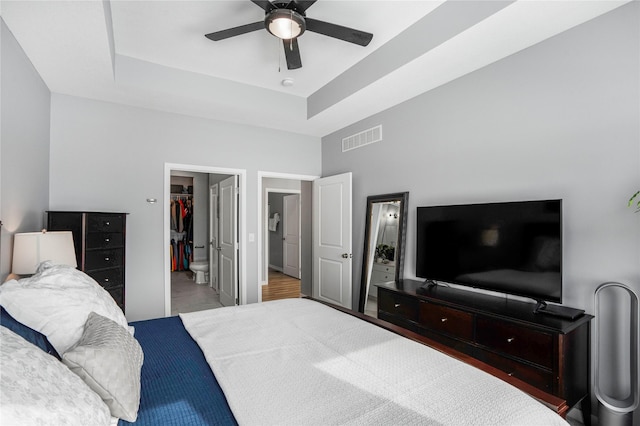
(403, 197)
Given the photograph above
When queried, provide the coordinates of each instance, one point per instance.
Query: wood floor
(280, 286)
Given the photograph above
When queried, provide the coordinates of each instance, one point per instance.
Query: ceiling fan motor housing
(285, 23)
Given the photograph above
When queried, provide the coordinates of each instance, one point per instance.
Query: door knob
(345, 255)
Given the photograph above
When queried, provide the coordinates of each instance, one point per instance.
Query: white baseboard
(275, 268)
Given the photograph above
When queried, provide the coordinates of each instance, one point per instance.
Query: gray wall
(560, 119)
(24, 147)
(275, 237)
(111, 157)
(201, 216)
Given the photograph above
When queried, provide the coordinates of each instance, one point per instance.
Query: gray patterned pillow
(37, 389)
(109, 360)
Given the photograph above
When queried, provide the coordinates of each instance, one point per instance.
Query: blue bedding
(177, 385)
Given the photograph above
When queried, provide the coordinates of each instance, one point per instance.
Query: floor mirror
(384, 240)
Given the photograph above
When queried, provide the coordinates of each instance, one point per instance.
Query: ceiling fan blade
(303, 5)
(232, 32)
(337, 31)
(265, 4)
(292, 53)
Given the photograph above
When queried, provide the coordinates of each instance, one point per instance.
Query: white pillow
(36, 388)
(109, 360)
(57, 301)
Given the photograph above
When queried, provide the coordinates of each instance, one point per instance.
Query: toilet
(200, 269)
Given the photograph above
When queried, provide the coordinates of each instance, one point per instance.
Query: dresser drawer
(101, 259)
(381, 277)
(510, 339)
(398, 305)
(536, 376)
(109, 278)
(383, 267)
(443, 319)
(97, 222)
(118, 295)
(104, 240)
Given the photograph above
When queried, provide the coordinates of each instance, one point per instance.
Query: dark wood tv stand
(548, 352)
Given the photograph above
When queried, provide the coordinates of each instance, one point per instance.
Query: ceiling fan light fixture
(285, 24)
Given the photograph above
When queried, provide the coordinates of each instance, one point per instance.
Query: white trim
(275, 268)
(263, 206)
(242, 225)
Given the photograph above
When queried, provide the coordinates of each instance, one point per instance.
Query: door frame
(242, 202)
(262, 222)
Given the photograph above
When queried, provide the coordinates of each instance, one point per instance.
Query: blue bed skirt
(177, 385)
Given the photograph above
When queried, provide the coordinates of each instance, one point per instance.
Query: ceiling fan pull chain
(279, 55)
(291, 25)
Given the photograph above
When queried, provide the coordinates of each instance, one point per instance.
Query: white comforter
(299, 362)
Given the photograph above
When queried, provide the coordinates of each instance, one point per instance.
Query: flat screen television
(512, 247)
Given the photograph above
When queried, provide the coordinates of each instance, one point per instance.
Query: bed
(294, 361)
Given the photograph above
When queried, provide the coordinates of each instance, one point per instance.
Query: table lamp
(31, 248)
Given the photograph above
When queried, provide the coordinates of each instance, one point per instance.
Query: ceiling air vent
(361, 139)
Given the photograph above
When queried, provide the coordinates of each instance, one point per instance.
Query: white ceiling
(153, 54)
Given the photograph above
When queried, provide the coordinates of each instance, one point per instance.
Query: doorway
(224, 282)
(283, 243)
(326, 257)
(284, 185)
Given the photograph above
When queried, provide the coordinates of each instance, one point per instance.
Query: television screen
(513, 247)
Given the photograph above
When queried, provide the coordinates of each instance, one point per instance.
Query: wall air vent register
(361, 139)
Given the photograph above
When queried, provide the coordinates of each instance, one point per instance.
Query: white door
(332, 263)
(291, 235)
(228, 238)
(213, 237)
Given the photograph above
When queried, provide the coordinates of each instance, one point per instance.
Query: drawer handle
(397, 305)
(511, 339)
(107, 223)
(106, 240)
(106, 259)
(106, 280)
(443, 319)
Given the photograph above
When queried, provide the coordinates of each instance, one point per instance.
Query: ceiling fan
(288, 21)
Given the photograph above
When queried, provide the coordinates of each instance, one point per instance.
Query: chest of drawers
(547, 352)
(99, 240)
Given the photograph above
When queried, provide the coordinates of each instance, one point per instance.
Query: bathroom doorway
(191, 284)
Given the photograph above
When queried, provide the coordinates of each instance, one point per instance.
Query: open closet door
(332, 255)
(228, 238)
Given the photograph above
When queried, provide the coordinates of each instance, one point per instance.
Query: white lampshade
(31, 248)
